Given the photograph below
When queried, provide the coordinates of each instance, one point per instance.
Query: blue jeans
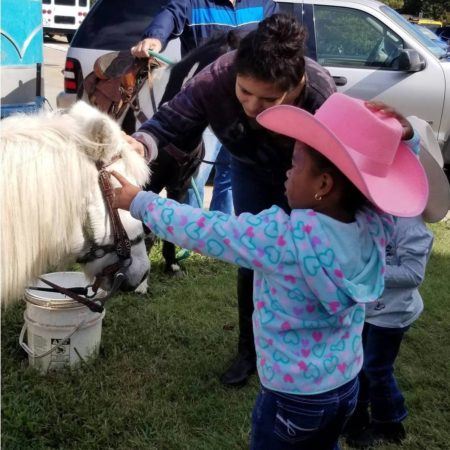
(222, 199)
(378, 386)
(302, 422)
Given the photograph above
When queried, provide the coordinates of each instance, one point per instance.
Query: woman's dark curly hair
(274, 52)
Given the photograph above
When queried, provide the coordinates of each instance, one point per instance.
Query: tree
(394, 4)
(412, 7)
(435, 9)
(432, 9)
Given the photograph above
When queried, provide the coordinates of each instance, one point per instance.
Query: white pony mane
(47, 179)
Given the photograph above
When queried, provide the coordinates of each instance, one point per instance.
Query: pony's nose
(128, 287)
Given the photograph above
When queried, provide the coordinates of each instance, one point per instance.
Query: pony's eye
(100, 253)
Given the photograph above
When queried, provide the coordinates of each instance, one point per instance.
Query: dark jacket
(209, 98)
(194, 21)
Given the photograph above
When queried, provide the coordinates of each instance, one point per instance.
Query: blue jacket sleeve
(169, 23)
(270, 8)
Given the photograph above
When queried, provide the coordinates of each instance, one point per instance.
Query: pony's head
(53, 211)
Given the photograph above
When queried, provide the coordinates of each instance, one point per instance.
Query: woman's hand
(137, 146)
(408, 131)
(124, 195)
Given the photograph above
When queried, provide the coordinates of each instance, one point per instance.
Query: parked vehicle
(434, 37)
(63, 16)
(371, 51)
(21, 46)
(111, 25)
(444, 33)
(431, 24)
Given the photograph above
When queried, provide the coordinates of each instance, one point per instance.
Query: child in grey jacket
(386, 322)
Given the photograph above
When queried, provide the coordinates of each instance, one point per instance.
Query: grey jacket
(406, 258)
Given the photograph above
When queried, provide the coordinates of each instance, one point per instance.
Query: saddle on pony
(114, 84)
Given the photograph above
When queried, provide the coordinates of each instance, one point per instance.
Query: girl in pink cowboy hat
(316, 267)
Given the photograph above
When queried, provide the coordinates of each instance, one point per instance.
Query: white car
(63, 16)
(371, 51)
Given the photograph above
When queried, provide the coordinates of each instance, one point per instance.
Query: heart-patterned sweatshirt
(313, 275)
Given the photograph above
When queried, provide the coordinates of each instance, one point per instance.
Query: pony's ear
(83, 111)
(99, 128)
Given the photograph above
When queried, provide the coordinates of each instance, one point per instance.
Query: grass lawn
(155, 384)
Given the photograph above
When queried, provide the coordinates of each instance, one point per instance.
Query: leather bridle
(122, 248)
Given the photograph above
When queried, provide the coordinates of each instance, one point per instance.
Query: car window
(429, 34)
(411, 29)
(116, 24)
(443, 32)
(347, 37)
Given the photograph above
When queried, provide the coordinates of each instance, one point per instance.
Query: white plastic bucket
(60, 331)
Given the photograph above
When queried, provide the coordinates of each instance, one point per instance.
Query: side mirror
(410, 61)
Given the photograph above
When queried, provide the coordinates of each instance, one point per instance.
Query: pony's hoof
(174, 270)
(142, 288)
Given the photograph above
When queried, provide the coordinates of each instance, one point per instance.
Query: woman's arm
(169, 23)
(182, 120)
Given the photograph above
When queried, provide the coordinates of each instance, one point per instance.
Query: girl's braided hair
(274, 52)
(352, 198)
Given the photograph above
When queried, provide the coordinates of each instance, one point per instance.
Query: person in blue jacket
(198, 20)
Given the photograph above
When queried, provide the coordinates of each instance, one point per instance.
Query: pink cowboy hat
(366, 146)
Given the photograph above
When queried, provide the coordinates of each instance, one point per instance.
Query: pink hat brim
(403, 191)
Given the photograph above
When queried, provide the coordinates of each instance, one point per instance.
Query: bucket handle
(34, 355)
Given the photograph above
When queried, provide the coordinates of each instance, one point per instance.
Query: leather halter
(121, 240)
(122, 249)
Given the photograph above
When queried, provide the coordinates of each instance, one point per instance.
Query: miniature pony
(52, 208)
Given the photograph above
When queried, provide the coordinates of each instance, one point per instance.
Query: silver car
(371, 51)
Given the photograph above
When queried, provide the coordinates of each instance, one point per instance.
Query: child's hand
(408, 130)
(124, 195)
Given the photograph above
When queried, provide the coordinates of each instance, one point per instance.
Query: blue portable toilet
(21, 58)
